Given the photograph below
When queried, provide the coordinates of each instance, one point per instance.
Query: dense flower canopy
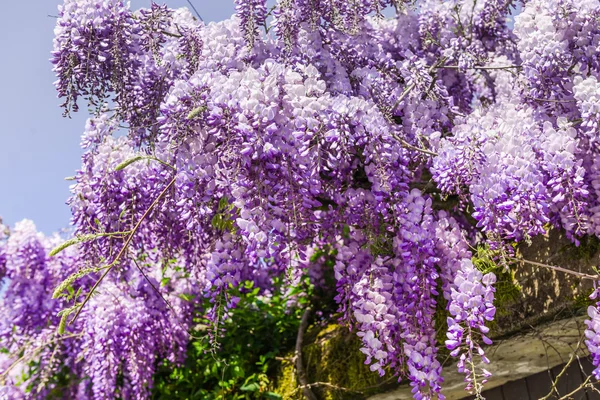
(232, 151)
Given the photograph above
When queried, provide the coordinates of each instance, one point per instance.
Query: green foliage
(507, 288)
(588, 247)
(222, 220)
(331, 353)
(135, 159)
(196, 112)
(83, 238)
(64, 314)
(128, 162)
(257, 331)
(66, 285)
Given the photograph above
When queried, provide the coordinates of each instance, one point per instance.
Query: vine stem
(403, 142)
(196, 11)
(570, 395)
(482, 67)
(562, 372)
(414, 84)
(308, 394)
(561, 269)
(35, 351)
(123, 249)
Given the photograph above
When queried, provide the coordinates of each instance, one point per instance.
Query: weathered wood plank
(538, 385)
(573, 377)
(515, 390)
(588, 367)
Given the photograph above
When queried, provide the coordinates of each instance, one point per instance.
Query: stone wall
(536, 328)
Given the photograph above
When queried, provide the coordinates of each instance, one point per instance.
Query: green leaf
(217, 221)
(71, 279)
(127, 163)
(81, 239)
(273, 396)
(187, 297)
(69, 243)
(252, 387)
(196, 111)
(223, 203)
(346, 231)
(64, 314)
(63, 323)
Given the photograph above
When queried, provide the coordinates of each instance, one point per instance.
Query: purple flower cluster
(592, 334)
(93, 45)
(470, 308)
(28, 313)
(117, 340)
(521, 173)
(252, 14)
(103, 51)
(544, 54)
(588, 101)
(415, 285)
(452, 249)
(114, 334)
(392, 299)
(245, 153)
(375, 313)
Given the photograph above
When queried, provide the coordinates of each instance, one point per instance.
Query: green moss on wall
(332, 355)
(508, 290)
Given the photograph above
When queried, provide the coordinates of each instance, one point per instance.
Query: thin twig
(175, 35)
(562, 372)
(125, 246)
(399, 100)
(196, 11)
(154, 287)
(414, 84)
(329, 385)
(404, 94)
(552, 100)
(569, 396)
(404, 143)
(561, 269)
(480, 67)
(36, 350)
(308, 394)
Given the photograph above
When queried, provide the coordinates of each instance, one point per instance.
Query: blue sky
(38, 147)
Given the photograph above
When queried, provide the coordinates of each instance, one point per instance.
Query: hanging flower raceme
(375, 313)
(415, 286)
(452, 249)
(471, 308)
(28, 311)
(92, 48)
(252, 14)
(592, 333)
(118, 341)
